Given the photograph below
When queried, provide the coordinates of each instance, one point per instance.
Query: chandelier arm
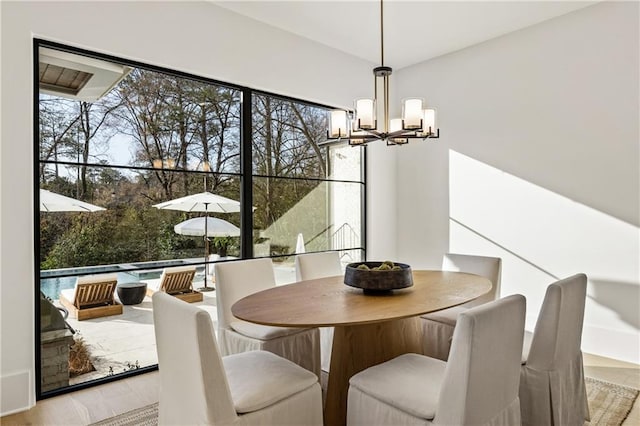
(403, 133)
(369, 134)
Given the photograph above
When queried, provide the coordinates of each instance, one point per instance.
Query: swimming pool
(51, 285)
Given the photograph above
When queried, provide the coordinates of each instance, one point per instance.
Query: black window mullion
(246, 180)
(363, 201)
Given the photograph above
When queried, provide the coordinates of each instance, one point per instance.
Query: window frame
(245, 174)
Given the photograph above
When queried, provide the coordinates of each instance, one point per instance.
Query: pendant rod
(381, 35)
(386, 103)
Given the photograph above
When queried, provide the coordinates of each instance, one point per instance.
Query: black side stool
(132, 293)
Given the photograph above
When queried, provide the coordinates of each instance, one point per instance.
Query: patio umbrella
(203, 202)
(52, 202)
(214, 227)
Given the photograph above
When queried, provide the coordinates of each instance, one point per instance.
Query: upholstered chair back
(235, 280)
(317, 265)
(481, 380)
(193, 383)
(488, 267)
(558, 333)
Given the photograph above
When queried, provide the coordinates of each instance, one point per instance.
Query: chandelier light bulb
(412, 114)
(395, 125)
(338, 124)
(365, 114)
(429, 121)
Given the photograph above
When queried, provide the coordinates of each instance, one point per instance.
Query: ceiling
(414, 30)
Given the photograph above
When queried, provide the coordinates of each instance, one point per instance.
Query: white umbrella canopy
(202, 202)
(52, 202)
(215, 227)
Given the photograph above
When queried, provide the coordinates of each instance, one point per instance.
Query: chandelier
(362, 127)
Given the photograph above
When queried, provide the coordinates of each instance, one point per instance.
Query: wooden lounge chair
(92, 297)
(177, 282)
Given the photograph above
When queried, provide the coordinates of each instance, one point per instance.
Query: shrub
(79, 358)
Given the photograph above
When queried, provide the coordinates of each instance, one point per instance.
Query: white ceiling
(414, 30)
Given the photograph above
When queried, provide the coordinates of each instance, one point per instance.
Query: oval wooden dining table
(369, 328)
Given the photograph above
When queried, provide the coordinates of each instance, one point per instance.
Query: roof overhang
(77, 77)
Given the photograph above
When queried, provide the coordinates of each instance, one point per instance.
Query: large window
(307, 195)
(148, 137)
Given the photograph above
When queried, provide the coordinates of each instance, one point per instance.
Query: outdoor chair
(552, 388)
(319, 265)
(477, 386)
(235, 280)
(177, 282)
(199, 387)
(438, 326)
(92, 297)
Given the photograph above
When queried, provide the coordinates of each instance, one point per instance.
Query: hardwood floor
(100, 402)
(90, 405)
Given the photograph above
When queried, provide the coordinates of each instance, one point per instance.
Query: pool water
(51, 287)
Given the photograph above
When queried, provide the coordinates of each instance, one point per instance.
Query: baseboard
(16, 393)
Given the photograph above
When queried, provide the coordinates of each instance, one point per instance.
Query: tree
(285, 145)
(180, 124)
(58, 121)
(93, 116)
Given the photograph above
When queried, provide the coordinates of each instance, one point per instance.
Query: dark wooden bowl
(375, 281)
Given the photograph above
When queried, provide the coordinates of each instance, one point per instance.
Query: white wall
(199, 38)
(543, 170)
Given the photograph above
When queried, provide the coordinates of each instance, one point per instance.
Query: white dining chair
(319, 265)
(552, 387)
(477, 386)
(238, 279)
(438, 326)
(199, 387)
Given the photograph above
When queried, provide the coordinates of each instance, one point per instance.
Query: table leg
(357, 347)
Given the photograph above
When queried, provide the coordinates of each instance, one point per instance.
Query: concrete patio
(123, 342)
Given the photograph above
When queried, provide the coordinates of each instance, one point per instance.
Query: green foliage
(122, 234)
